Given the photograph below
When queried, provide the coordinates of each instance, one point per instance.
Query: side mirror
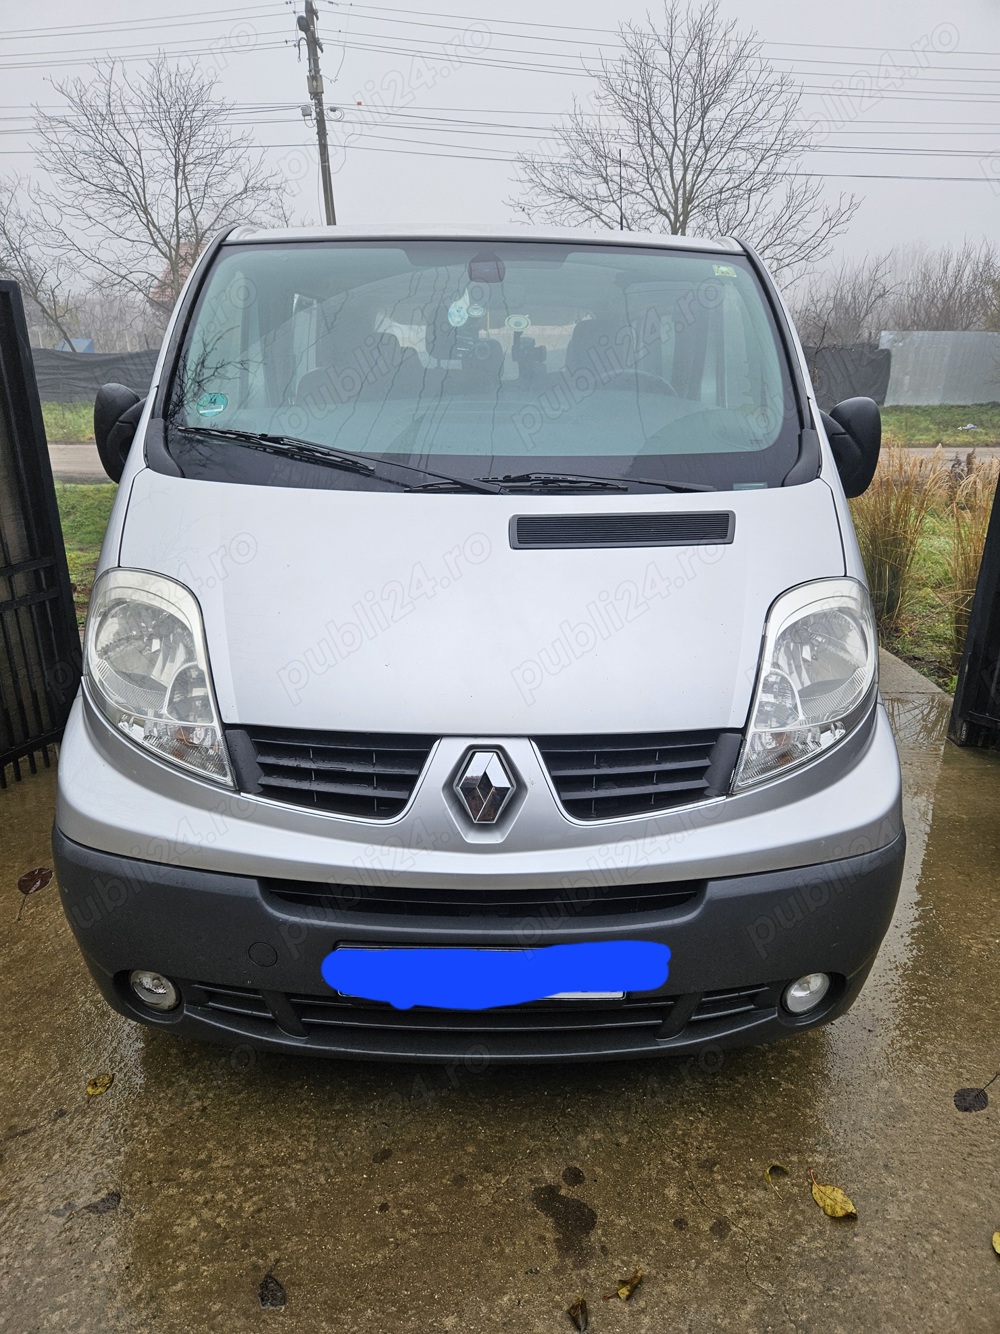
(116, 415)
(854, 428)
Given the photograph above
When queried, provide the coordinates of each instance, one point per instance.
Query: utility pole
(314, 82)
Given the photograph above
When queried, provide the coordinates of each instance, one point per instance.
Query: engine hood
(394, 612)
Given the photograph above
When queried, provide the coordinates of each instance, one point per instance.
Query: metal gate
(975, 718)
(39, 641)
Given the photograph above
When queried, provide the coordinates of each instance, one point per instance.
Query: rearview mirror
(854, 429)
(116, 415)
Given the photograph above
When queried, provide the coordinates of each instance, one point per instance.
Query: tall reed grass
(889, 520)
(969, 507)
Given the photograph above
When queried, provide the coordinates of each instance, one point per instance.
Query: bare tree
(118, 321)
(711, 139)
(847, 306)
(950, 288)
(29, 255)
(146, 169)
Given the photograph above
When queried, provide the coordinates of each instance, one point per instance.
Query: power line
(615, 32)
(190, 19)
(46, 59)
(569, 41)
(491, 49)
(498, 156)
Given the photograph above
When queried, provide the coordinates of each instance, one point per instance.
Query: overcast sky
(898, 89)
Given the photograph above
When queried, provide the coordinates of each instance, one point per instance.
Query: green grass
(84, 512)
(940, 425)
(925, 642)
(68, 423)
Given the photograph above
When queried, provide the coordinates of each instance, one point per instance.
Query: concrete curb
(898, 678)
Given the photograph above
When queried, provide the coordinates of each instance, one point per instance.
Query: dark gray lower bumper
(248, 962)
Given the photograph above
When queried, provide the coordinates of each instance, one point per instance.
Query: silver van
(480, 666)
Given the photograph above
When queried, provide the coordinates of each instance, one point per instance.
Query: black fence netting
(75, 377)
(837, 373)
(39, 640)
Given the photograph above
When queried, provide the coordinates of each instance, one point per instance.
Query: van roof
(488, 232)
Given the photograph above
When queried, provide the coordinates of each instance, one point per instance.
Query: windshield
(489, 360)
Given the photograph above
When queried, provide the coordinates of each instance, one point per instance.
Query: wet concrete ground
(396, 1200)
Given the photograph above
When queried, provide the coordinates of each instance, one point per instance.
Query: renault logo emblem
(485, 786)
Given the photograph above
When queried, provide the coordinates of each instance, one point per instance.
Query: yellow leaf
(99, 1084)
(775, 1170)
(626, 1287)
(832, 1200)
(996, 1242)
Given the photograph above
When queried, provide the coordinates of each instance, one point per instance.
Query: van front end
(480, 666)
(239, 901)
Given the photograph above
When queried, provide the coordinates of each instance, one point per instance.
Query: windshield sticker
(724, 271)
(458, 314)
(518, 323)
(210, 405)
(469, 979)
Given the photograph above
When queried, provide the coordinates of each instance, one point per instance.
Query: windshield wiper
(286, 445)
(569, 481)
(307, 451)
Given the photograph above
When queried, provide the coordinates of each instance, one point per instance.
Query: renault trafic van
(480, 664)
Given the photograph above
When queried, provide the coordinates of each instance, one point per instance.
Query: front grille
(542, 1030)
(324, 1012)
(333, 1023)
(604, 777)
(551, 905)
(575, 531)
(371, 775)
(726, 1004)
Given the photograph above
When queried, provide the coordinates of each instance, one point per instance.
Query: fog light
(154, 990)
(805, 994)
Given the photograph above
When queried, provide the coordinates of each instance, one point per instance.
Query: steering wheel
(654, 384)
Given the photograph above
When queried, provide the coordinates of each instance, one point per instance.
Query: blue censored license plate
(453, 978)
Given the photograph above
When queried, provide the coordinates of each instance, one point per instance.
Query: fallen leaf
(271, 1294)
(775, 1170)
(579, 1315)
(832, 1200)
(974, 1100)
(31, 882)
(107, 1204)
(626, 1287)
(996, 1242)
(99, 1084)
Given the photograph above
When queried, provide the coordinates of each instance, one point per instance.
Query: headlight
(147, 669)
(817, 672)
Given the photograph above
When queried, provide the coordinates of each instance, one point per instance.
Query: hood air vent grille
(563, 531)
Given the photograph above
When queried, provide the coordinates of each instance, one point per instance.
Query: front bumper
(247, 956)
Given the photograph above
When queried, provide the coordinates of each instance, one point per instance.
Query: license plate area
(459, 977)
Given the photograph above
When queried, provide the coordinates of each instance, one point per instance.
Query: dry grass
(922, 527)
(969, 507)
(889, 520)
